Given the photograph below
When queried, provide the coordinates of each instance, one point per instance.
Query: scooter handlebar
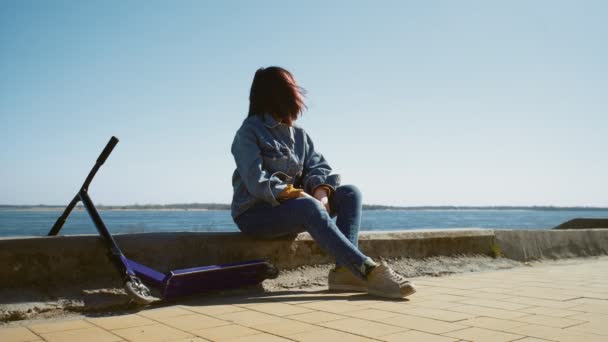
(107, 150)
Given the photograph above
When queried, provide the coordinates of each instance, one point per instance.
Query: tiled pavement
(565, 302)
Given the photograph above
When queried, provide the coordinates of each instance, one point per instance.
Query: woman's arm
(317, 171)
(259, 182)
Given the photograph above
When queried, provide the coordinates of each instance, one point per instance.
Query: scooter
(173, 284)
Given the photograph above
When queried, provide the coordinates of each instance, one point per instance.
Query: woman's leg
(302, 214)
(346, 204)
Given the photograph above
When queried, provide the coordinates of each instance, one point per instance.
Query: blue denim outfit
(270, 155)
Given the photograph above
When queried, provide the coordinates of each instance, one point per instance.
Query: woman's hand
(325, 204)
(322, 196)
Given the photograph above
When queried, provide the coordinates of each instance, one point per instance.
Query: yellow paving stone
(191, 339)
(589, 317)
(547, 294)
(193, 322)
(316, 317)
(263, 337)
(539, 310)
(442, 315)
(120, 321)
(213, 310)
(556, 334)
(495, 304)
(418, 336)
(541, 302)
(423, 324)
(60, 326)
(94, 334)
(595, 308)
(17, 334)
(532, 339)
(151, 333)
(225, 332)
(370, 314)
(329, 306)
(481, 334)
(596, 327)
(249, 318)
(500, 290)
(398, 307)
(328, 335)
(362, 327)
(286, 327)
(171, 311)
(492, 323)
(488, 312)
(279, 309)
(556, 322)
(436, 304)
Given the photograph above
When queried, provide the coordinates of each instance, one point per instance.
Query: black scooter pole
(85, 186)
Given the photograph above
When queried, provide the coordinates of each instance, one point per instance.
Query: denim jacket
(269, 155)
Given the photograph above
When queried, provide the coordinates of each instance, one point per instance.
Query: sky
(415, 102)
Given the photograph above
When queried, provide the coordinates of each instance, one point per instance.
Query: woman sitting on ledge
(283, 186)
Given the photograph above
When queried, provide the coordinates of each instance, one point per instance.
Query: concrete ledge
(51, 262)
(553, 244)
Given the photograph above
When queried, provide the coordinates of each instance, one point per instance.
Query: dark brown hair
(274, 91)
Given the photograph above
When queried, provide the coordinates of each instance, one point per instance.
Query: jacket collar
(270, 121)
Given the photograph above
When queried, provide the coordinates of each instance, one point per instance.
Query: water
(38, 223)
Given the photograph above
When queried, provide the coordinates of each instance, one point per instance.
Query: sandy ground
(18, 305)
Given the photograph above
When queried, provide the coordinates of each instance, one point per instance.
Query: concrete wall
(51, 262)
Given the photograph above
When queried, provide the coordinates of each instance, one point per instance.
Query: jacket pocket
(274, 159)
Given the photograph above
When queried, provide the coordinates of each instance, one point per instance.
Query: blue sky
(416, 102)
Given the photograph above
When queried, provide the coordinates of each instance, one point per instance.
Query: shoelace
(400, 280)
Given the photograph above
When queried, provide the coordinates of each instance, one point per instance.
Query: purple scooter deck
(196, 280)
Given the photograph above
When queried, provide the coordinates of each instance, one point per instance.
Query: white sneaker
(384, 282)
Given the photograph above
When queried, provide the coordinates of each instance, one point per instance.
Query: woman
(282, 186)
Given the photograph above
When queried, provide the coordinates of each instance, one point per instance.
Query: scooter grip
(107, 150)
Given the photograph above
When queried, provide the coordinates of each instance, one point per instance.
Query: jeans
(340, 238)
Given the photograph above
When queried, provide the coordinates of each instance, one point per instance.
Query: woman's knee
(349, 191)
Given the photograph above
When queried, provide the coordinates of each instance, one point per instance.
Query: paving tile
(191, 339)
(596, 327)
(316, 317)
(60, 326)
(329, 306)
(595, 308)
(481, 334)
(442, 315)
(541, 302)
(286, 327)
(370, 314)
(279, 309)
(549, 321)
(327, 335)
(193, 322)
(589, 317)
(17, 334)
(398, 307)
(488, 312)
(423, 324)
(120, 321)
(225, 332)
(213, 310)
(496, 304)
(249, 318)
(532, 339)
(171, 311)
(418, 336)
(492, 323)
(157, 332)
(362, 327)
(263, 337)
(556, 334)
(539, 310)
(94, 334)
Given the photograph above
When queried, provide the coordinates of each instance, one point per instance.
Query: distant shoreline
(217, 206)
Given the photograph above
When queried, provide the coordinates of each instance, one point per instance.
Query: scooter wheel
(138, 292)
(272, 272)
